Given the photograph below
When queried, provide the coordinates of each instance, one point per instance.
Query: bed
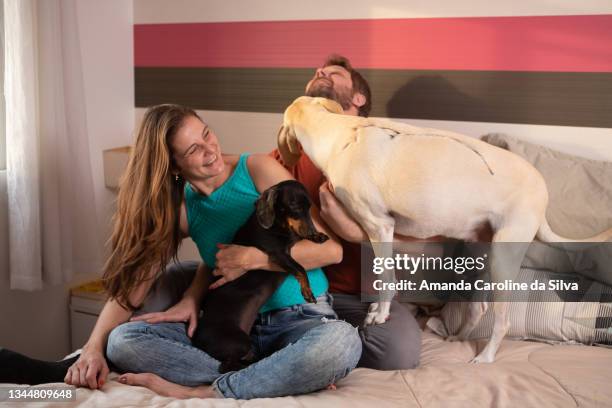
(526, 374)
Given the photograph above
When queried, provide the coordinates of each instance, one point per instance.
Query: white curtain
(52, 213)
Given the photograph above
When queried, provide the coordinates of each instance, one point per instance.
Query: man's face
(332, 82)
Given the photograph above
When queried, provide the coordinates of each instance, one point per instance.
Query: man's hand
(187, 310)
(335, 215)
(233, 261)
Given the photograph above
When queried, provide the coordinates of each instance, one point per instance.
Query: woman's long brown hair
(146, 234)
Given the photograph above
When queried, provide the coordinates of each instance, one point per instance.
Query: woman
(178, 184)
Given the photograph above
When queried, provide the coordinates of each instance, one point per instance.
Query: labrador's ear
(264, 208)
(331, 106)
(288, 146)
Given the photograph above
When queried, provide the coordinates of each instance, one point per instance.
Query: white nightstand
(86, 302)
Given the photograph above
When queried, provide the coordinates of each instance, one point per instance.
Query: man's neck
(352, 111)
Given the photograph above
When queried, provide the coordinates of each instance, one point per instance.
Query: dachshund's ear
(288, 146)
(264, 208)
(331, 106)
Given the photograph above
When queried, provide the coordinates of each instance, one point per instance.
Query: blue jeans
(300, 349)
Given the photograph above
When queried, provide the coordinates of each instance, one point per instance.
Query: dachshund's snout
(319, 238)
(305, 230)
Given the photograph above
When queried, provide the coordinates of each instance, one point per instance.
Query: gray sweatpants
(393, 345)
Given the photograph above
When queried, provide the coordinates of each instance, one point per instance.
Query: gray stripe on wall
(544, 98)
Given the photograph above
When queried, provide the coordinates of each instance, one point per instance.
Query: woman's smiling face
(196, 150)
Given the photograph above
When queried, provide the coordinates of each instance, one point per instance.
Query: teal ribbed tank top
(216, 218)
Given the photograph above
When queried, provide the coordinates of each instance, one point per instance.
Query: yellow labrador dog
(393, 177)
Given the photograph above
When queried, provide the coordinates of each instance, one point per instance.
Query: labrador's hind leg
(510, 244)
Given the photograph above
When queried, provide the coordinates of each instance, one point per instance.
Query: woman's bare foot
(166, 388)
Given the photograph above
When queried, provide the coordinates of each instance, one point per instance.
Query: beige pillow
(580, 190)
(580, 205)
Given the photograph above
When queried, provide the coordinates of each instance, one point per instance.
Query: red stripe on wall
(549, 43)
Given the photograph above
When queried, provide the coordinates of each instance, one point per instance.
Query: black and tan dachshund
(281, 218)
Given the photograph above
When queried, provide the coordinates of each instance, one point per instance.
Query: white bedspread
(526, 374)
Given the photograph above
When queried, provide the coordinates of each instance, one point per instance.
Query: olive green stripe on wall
(546, 98)
(228, 89)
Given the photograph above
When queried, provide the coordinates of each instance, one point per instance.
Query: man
(395, 344)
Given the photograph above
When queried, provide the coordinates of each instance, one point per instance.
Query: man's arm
(335, 215)
(340, 221)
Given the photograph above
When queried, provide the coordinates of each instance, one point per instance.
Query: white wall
(256, 132)
(592, 143)
(37, 323)
(107, 51)
(184, 11)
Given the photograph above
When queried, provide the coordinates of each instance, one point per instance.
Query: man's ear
(358, 99)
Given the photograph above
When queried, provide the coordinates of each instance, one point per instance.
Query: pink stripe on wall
(550, 43)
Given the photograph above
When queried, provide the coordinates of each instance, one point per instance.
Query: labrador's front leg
(381, 240)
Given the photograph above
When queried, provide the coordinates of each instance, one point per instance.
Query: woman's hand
(90, 370)
(233, 261)
(335, 215)
(187, 310)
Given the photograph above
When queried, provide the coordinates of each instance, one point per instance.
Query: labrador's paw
(482, 358)
(376, 315)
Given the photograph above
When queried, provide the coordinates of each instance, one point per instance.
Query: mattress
(525, 374)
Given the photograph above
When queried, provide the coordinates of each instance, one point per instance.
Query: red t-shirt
(343, 277)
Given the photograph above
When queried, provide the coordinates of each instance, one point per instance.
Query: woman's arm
(91, 369)
(267, 172)
(113, 314)
(234, 260)
(188, 308)
(307, 253)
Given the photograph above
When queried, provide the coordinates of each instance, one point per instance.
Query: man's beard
(325, 91)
